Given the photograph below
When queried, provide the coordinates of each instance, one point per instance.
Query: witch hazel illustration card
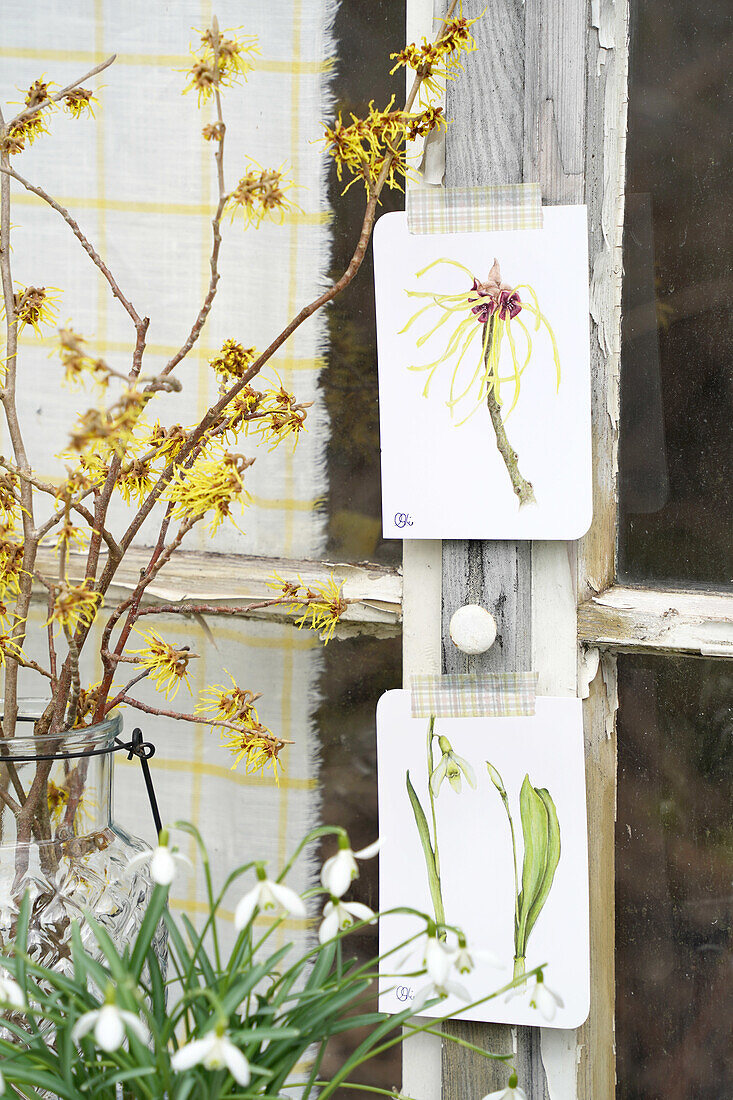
(484, 380)
(484, 857)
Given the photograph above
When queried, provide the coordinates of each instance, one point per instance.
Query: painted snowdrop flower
(215, 1051)
(10, 992)
(338, 871)
(265, 895)
(511, 1092)
(162, 861)
(451, 766)
(544, 999)
(110, 1025)
(465, 959)
(339, 915)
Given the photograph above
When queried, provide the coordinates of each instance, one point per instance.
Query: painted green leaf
(534, 829)
(553, 858)
(424, 834)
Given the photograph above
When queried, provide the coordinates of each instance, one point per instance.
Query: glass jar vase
(59, 842)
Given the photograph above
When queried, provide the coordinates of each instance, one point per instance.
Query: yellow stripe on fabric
(161, 61)
(280, 363)
(219, 771)
(139, 206)
(207, 168)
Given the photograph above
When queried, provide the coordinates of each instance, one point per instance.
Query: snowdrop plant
(454, 768)
(221, 1024)
(541, 833)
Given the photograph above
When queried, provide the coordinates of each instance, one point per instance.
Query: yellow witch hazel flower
(439, 60)
(252, 740)
(220, 61)
(76, 604)
(35, 306)
(322, 604)
(261, 193)
(231, 363)
(212, 484)
(168, 664)
(78, 365)
(484, 316)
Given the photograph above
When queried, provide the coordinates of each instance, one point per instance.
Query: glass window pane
(356, 672)
(367, 34)
(676, 445)
(674, 867)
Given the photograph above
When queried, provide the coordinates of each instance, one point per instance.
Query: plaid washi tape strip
(471, 209)
(465, 695)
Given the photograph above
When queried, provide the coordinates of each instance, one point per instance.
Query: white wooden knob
(472, 628)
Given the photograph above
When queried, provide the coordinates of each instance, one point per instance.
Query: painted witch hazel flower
(486, 313)
(482, 320)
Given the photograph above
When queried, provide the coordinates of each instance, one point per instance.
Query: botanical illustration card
(483, 828)
(484, 380)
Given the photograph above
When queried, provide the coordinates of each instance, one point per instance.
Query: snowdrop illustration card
(484, 380)
(482, 824)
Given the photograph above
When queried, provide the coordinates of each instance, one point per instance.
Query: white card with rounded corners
(483, 349)
(538, 825)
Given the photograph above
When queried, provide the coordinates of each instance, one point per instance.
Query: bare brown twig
(28, 112)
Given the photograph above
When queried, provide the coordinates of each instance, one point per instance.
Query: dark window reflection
(356, 673)
(676, 443)
(367, 33)
(674, 876)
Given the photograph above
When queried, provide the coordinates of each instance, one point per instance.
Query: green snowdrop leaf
(553, 858)
(535, 830)
(424, 834)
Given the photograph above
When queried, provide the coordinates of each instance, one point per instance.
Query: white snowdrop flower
(442, 989)
(10, 992)
(438, 960)
(338, 872)
(451, 766)
(511, 1092)
(338, 915)
(544, 999)
(266, 894)
(162, 860)
(8, 908)
(215, 1051)
(110, 1025)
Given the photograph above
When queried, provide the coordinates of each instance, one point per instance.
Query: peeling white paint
(610, 681)
(560, 1057)
(589, 662)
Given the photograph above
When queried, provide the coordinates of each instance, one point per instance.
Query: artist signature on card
(402, 519)
(404, 993)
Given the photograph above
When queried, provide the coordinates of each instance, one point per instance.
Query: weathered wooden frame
(543, 99)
